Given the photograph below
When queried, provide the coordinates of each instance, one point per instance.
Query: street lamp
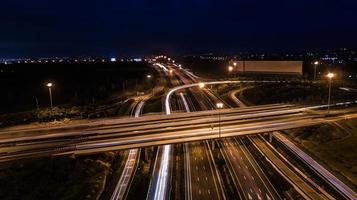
(315, 66)
(201, 85)
(329, 76)
(49, 85)
(235, 64)
(230, 68)
(149, 78)
(219, 106)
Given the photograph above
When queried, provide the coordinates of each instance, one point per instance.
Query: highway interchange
(195, 125)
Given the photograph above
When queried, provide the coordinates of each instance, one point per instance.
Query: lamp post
(49, 85)
(329, 76)
(315, 67)
(149, 77)
(236, 69)
(230, 69)
(219, 106)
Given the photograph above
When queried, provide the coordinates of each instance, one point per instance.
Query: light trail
(129, 169)
(173, 90)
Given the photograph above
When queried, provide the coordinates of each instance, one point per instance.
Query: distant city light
(113, 59)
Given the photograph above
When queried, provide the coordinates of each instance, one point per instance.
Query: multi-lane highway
(202, 178)
(340, 187)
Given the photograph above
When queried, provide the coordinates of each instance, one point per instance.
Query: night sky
(35, 28)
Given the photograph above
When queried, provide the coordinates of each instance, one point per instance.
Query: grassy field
(333, 145)
(55, 178)
(296, 93)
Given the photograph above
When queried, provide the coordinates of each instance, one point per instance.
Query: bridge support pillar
(270, 137)
(146, 155)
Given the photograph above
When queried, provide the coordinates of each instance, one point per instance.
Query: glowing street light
(315, 66)
(230, 68)
(171, 71)
(329, 76)
(50, 85)
(235, 64)
(201, 85)
(219, 106)
(149, 78)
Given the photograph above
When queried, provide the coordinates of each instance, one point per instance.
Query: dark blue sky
(114, 27)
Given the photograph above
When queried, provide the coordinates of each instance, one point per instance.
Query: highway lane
(159, 188)
(204, 181)
(248, 177)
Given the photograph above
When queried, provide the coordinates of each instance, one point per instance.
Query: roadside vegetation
(295, 92)
(55, 178)
(80, 91)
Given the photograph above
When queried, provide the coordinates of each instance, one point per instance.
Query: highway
(249, 179)
(201, 174)
(131, 163)
(202, 177)
(305, 186)
(160, 184)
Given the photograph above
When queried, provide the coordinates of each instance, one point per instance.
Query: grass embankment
(295, 92)
(55, 178)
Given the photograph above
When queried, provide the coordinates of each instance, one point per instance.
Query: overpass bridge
(127, 133)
